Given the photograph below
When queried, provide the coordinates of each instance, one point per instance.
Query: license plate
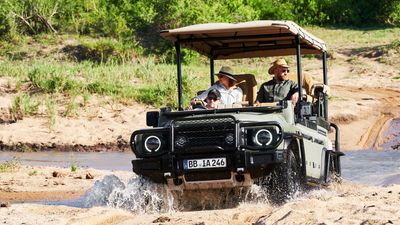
(189, 164)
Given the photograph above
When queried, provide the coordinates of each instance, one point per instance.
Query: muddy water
(97, 160)
(366, 166)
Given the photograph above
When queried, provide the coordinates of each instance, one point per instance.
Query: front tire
(284, 181)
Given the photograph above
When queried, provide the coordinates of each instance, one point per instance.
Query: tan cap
(276, 63)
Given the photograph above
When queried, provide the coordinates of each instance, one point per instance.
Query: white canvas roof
(244, 40)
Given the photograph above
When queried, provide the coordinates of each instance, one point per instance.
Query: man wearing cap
(230, 93)
(280, 87)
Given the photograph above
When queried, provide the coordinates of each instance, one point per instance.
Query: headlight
(152, 143)
(263, 137)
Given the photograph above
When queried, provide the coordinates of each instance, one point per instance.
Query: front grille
(204, 132)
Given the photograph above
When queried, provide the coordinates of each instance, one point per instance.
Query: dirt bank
(360, 112)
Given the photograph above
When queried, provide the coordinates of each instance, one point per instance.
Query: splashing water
(99, 194)
(140, 195)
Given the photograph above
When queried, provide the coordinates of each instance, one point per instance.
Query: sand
(344, 203)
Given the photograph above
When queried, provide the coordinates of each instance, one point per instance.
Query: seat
(319, 91)
(307, 81)
(248, 84)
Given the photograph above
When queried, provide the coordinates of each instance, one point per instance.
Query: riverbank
(345, 203)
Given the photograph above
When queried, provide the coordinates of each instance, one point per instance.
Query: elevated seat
(248, 84)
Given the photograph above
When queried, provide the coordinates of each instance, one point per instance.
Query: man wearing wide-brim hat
(226, 85)
(280, 87)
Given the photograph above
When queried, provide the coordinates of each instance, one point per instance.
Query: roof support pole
(299, 75)
(179, 68)
(212, 67)
(325, 74)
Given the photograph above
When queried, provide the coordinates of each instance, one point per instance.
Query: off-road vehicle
(278, 145)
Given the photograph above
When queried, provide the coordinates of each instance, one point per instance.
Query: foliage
(33, 173)
(138, 22)
(25, 105)
(395, 45)
(9, 166)
(74, 167)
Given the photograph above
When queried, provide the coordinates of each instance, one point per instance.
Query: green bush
(139, 22)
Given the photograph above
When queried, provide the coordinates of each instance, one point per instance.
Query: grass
(33, 173)
(51, 109)
(119, 71)
(349, 38)
(9, 166)
(74, 167)
(146, 82)
(25, 105)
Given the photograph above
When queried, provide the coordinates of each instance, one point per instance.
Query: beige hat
(226, 71)
(276, 63)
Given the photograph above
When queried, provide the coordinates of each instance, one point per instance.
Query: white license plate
(189, 164)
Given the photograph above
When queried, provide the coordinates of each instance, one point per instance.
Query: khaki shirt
(274, 91)
(306, 83)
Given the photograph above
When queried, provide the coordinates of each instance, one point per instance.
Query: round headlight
(263, 137)
(181, 141)
(152, 143)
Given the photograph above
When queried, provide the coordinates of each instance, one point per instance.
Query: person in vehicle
(210, 102)
(230, 93)
(280, 87)
(213, 99)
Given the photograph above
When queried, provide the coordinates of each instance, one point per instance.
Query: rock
(89, 176)
(57, 174)
(162, 219)
(4, 204)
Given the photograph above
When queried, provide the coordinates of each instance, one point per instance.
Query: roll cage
(246, 40)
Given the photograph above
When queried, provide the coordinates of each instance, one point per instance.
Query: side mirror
(152, 118)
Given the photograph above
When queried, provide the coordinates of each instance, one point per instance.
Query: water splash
(99, 194)
(140, 195)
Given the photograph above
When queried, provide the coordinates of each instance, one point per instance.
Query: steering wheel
(199, 104)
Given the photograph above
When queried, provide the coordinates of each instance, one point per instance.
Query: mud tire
(284, 181)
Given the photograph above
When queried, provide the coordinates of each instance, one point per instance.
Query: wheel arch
(296, 145)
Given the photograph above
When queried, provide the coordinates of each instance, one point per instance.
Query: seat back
(248, 84)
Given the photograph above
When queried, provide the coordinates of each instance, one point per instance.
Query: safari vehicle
(280, 145)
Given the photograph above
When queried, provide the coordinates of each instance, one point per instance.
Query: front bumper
(241, 168)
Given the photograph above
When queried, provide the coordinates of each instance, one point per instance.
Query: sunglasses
(285, 70)
(212, 98)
